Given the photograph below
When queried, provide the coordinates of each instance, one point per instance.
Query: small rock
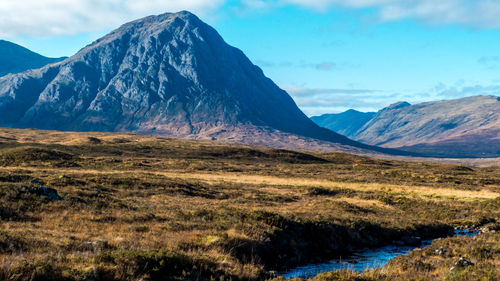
(462, 262)
(273, 273)
(493, 228)
(440, 252)
(96, 246)
(47, 192)
(94, 140)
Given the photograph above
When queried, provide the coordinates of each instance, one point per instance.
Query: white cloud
(442, 91)
(477, 13)
(46, 18)
(300, 91)
(325, 66)
(324, 4)
(317, 101)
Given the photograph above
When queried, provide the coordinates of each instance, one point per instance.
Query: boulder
(440, 252)
(96, 246)
(461, 263)
(46, 192)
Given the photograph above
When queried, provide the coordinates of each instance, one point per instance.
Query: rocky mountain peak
(169, 75)
(398, 105)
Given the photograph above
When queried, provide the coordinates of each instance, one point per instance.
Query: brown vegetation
(141, 207)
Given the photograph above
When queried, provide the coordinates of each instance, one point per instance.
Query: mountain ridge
(346, 123)
(466, 127)
(16, 59)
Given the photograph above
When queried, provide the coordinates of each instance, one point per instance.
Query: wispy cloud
(266, 63)
(326, 66)
(300, 91)
(477, 13)
(474, 13)
(322, 66)
(63, 17)
(317, 101)
(473, 90)
(491, 62)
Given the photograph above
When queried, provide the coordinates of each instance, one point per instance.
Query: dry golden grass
(139, 207)
(243, 179)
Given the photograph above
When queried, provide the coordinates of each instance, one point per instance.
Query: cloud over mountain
(57, 17)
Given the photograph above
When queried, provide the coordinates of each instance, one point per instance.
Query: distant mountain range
(346, 123)
(168, 75)
(17, 59)
(467, 127)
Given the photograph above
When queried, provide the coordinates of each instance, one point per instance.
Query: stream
(363, 259)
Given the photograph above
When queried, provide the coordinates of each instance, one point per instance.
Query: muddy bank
(294, 242)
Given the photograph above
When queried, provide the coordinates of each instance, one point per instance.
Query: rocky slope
(16, 59)
(467, 127)
(169, 75)
(346, 123)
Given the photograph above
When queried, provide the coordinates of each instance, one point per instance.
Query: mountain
(346, 123)
(16, 59)
(467, 127)
(168, 75)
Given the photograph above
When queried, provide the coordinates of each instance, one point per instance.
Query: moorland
(112, 206)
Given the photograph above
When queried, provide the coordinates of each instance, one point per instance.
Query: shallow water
(363, 259)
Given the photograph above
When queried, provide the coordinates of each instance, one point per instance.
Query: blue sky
(330, 55)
